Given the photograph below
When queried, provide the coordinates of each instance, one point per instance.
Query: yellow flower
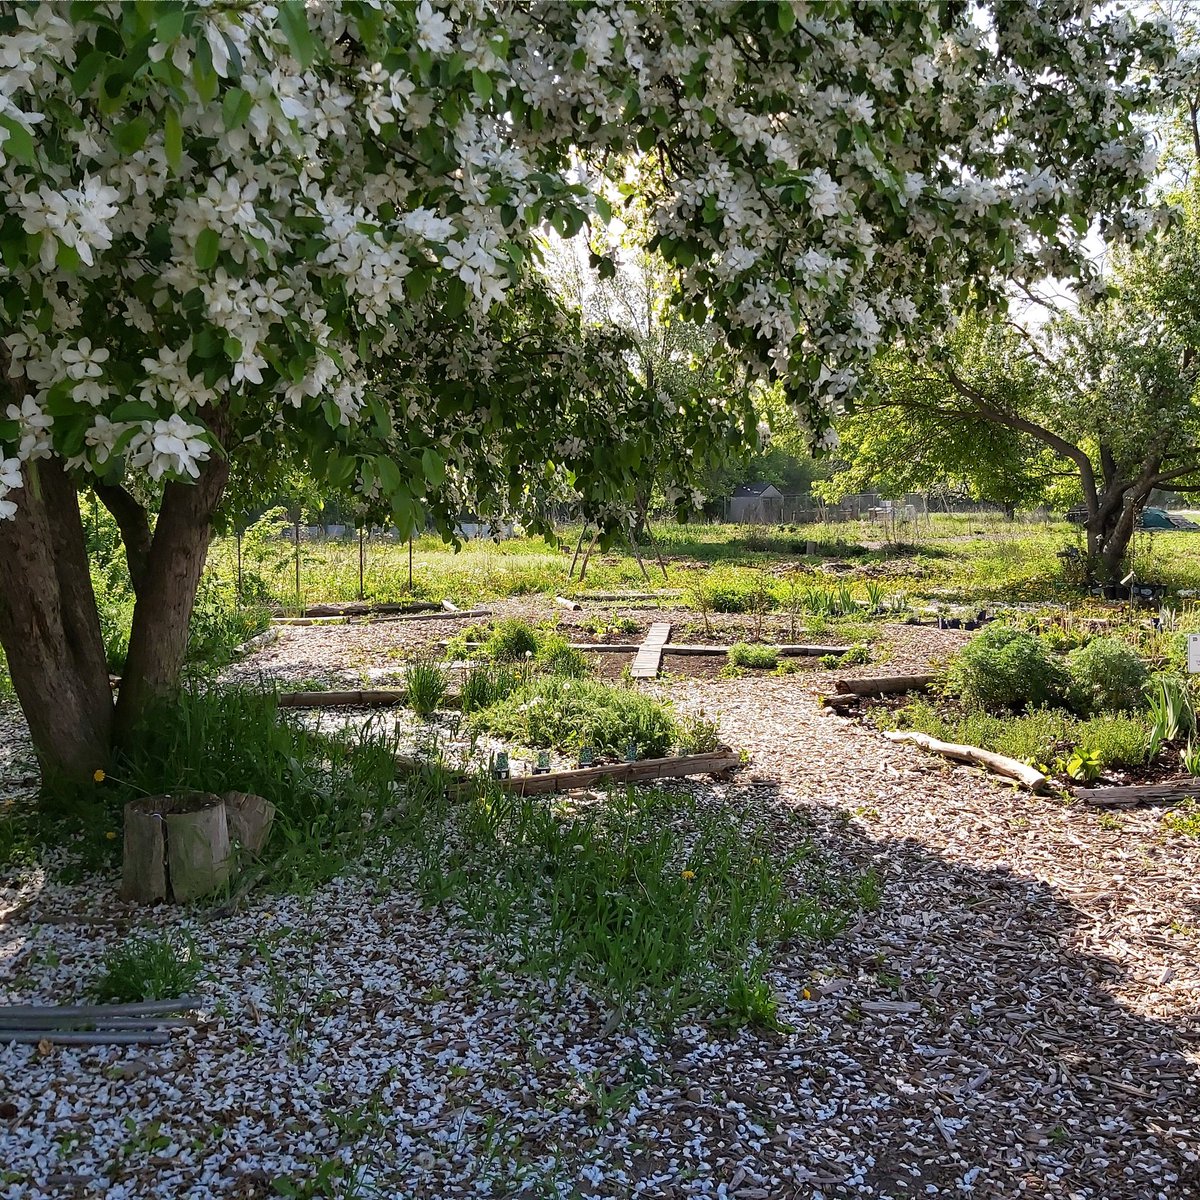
(98, 775)
(688, 874)
(806, 994)
(111, 835)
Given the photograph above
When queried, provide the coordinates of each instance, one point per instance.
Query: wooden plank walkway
(648, 659)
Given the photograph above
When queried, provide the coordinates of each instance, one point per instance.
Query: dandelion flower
(98, 775)
(688, 874)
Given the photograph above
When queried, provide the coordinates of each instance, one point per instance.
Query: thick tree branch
(134, 523)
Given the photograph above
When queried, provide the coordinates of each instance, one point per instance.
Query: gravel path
(1020, 1018)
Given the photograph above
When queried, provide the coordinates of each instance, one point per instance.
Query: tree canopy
(239, 236)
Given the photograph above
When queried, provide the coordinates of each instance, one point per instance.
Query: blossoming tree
(220, 223)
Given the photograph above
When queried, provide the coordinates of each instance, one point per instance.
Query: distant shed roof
(757, 489)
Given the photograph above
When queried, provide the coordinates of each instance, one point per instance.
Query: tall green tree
(308, 230)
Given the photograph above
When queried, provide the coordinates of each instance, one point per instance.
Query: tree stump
(176, 847)
(249, 818)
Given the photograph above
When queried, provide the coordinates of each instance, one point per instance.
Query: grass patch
(663, 903)
(569, 714)
(742, 654)
(425, 683)
(149, 968)
(1184, 820)
(1040, 736)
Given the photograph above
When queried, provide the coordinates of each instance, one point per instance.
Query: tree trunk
(50, 629)
(159, 636)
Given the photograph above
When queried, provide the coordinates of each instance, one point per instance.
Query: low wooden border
(1169, 791)
(715, 762)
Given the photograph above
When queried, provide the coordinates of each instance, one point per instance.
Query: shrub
(697, 734)
(742, 654)
(149, 968)
(556, 656)
(510, 640)
(1120, 741)
(425, 682)
(1106, 676)
(727, 593)
(1005, 668)
(571, 713)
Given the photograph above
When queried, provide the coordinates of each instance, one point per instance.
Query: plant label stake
(500, 767)
(631, 752)
(586, 756)
(1194, 653)
(542, 766)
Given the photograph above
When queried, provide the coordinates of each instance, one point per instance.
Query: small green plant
(1085, 764)
(1190, 757)
(697, 734)
(1106, 676)
(742, 654)
(1171, 711)
(1006, 668)
(511, 640)
(556, 656)
(1183, 820)
(568, 714)
(486, 684)
(149, 968)
(425, 683)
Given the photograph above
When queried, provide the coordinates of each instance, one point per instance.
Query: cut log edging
(440, 615)
(998, 764)
(1169, 791)
(715, 762)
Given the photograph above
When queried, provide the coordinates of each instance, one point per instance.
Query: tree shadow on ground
(977, 1040)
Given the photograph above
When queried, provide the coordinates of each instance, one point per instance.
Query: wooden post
(410, 577)
(361, 562)
(575, 558)
(238, 543)
(296, 536)
(662, 566)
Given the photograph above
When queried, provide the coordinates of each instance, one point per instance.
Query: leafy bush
(1041, 735)
(697, 734)
(742, 654)
(511, 639)
(149, 968)
(1005, 668)
(487, 683)
(425, 682)
(220, 624)
(572, 713)
(556, 656)
(1106, 676)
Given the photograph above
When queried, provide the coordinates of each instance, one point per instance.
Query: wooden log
(713, 763)
(589, 647)
(197, 847)
(621, 597)
(436, 616)
(840, 701)
(176, 848)
(1169, 791)
(250, 818)
(878, 685)
(564, 602)
(144, 864)
(998, 764)
(355, 699)
(782, 651)
(358, 608)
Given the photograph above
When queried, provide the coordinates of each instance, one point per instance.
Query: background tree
(219, 224)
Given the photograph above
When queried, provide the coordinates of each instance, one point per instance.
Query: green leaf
(235, 108)
(131, 136)
(785, 16)
(173, 137)
(294, 23)
(134, 410)
(481, 81)
(19, 143)
(389, 474)
(208, 246)
(433, 467)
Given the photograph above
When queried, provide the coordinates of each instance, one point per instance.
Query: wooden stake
(362, 562)
(575, 558)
